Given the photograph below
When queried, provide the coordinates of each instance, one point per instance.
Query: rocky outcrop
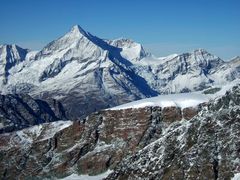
(141, 143)
(90, 146)
(21, 111)
(205, 147)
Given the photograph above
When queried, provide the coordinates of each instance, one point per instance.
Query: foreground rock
(205, 147)
(143, 143)
(91, 146)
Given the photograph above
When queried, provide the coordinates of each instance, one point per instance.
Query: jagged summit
(11, 53)
(77, 41)
(200, 50)
(10, 46)
(78, 31)
(204, 54)
(200, 56)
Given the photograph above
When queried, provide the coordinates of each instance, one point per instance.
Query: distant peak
(200, 50)
(124, 40)
(77, 30)
(9, 46)
(236, 58)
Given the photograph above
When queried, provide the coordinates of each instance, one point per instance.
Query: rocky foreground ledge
(205, 147)
(151, 142)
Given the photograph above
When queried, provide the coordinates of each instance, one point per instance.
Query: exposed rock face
(190, 112)
(171, 114)
(205, 147)
(21, 111)
(88, 147)
(150, 143)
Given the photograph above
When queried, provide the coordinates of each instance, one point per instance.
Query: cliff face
(90, 146)
(205, 147)
(138, 143)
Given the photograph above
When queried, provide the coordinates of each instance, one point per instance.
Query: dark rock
(205, 147)
(144, 143)
(21, 111)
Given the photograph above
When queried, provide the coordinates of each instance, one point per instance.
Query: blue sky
(163, 27)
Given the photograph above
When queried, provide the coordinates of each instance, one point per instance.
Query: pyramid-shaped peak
(77, 30)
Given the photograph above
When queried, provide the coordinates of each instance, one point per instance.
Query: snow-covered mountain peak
(236, 58)
(123, 43)
(75, 43)
(11, 53)
(200, 51)
(130, 49)
(201, 57)
(80, 68)
(76, 30)
(203, 54)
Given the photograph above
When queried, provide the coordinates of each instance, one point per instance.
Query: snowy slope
(87, 177)
(78, 68)
(90, 73)
(129, 49)
(182, 100)
(10, 56)
(41, 132)
(186, 72)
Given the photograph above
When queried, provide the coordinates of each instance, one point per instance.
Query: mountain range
(85, 107)
(86, 73)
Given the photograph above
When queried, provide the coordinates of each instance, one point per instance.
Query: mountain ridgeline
(87, 73)
(57, 120)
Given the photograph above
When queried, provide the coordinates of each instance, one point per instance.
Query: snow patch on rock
(236, 176)
(182, 100)
(87, 177)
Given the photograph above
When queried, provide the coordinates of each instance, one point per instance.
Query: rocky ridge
(205, 147)
(150, 142)
(90, 146)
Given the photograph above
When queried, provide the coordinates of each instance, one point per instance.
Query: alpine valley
(85, 107)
